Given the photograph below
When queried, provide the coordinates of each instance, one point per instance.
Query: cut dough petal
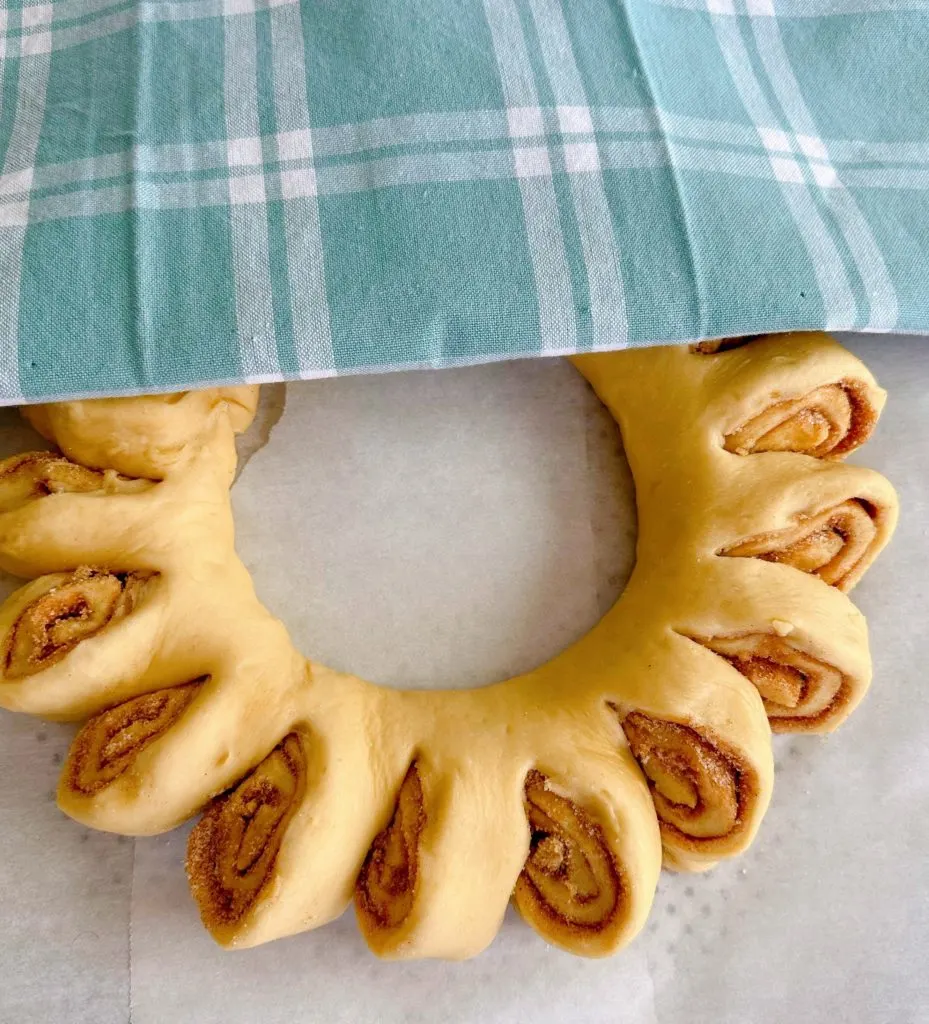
(594, 852)
(387, 884)
(181, 747)
(232, 851)
(700, 791)
(800, 692)
(141, 437)
(74, 643)
(110, 742)
(438, 877)
(837, 545)
(33, 475)
(830, 421)
(572, 884)
(61, 612)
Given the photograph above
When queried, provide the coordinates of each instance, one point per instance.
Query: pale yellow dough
(199, 617)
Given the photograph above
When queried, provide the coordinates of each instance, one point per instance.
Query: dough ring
(562, 789)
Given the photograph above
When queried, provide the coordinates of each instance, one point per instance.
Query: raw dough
(431, 810)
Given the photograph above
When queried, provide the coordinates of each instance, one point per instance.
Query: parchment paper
(450, 529)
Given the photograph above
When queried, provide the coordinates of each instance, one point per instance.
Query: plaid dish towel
(197, 191)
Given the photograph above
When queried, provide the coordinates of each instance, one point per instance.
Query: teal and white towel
(225, 190)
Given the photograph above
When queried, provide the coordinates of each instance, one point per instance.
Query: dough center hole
(437, 529)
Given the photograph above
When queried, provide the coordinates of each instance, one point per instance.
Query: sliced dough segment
(700, 790)
(111, 741)
(824, 518)
(800, 692)
(799, 393)
(438, 877)
(140, 437)
(232, 852)
(66, 530)
(594, 850)
(31, 476)
(802, 646)
(73, 643)
(701, 737)
(389, 881)
(211, 740)
(63, 611)
(350, 789)
(837, 544)
(828, 422)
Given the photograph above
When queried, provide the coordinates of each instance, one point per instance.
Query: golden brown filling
(797, 689)
(233, 849)
(709, 348)
(32, 475)
(832, 545)
(71, 611)
(109, 743)
(830, 421)
(695, 787)
(571, 880)
(386, 887)
(780, 685)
